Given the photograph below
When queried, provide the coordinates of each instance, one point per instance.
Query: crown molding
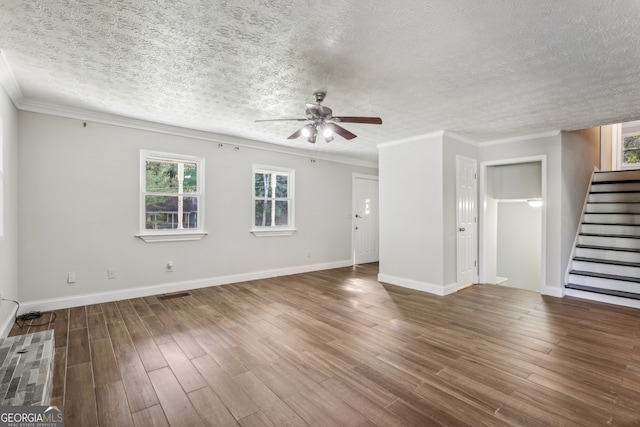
(439, 133)
(139, 124)
(461, 138)
(9, 83)
(529, 137)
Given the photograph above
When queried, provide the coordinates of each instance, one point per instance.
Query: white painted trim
(461, 138)
(545, 134)
(8, 322)
(552, 291)
(607, 299)
(544, 289)
(355, 176)
(172, 235)
(440, 290)
(275, 232)
(121, 294)
(439, 133)
(126, 122)
(184, 236)
(9, 82)
(476, 214)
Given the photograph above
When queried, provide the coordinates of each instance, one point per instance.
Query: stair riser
(608, 255)
(621, 186)
(597, 282)
(614, 197)
(613, 218)
(596, 267)
(616, 176)
(622, 230)
(613, 208)
(614, 242)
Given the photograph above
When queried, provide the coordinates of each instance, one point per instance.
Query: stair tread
(614, 192)
(604, 291)
(619, 181)
(610, 223)
(605, 276)
(607, 248)
(607, 261)
(617, 236)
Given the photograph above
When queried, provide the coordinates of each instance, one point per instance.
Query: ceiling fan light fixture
(306, 130)
(327, 132)
(313, 134)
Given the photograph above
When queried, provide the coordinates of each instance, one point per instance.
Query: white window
(273, 201)
(171, 197)
(630, 150)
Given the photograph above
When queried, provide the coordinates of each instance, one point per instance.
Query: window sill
(181, 236)
(258, 232)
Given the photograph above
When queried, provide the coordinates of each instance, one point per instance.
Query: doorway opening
(513, 223)
(365, 219)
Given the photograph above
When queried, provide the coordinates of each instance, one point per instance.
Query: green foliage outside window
(271, 199)
(631, 149)
(165, 205)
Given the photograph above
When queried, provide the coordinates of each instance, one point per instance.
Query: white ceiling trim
(439, 133)
(461, 138)
(115, 120)
(529, 137)
(9, 82)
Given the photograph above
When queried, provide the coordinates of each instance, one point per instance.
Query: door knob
(461, 229)
(358, 216)
(356, 228)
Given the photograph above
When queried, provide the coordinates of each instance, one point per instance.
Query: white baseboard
(552, 291)
(122, 294)
(8, 322)
(431, 288)
(609, 299)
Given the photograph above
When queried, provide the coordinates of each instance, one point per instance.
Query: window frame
(171, 235)
(274, 230)
(623, 135)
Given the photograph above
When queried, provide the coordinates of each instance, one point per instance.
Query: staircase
(606, 258)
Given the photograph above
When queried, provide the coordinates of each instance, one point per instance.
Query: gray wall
(580, 155)
(9, 242)
(79, 207)
(418, 212)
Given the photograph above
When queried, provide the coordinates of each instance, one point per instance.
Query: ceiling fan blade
(296, 133)
(351, 119)
(340, 131)
(281, 120)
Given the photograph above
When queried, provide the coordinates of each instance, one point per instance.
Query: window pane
(263, 213)
(281, 186)
(282, 212)
(162, 177)
(161, 212)
(190, 212)
(263, 185)
(189, 184)
(632, 141)
(632, 156)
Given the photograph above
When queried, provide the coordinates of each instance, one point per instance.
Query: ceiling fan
(323, 121)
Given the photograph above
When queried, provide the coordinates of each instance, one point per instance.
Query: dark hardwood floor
(337, 348)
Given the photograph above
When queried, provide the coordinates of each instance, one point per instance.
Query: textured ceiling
(484, 70)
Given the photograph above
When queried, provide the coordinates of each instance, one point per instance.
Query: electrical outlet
(169, 267)
(111, 273)
(72, 277)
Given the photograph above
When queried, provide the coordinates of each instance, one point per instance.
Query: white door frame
(355, 176)
(483, 192)
(475, 163)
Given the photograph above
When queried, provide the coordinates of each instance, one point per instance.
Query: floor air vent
(173, 296)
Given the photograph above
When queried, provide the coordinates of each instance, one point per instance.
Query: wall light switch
(111, 273)
(71, 277)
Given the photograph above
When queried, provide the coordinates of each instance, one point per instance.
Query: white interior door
(365, 219)
(467, 220)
